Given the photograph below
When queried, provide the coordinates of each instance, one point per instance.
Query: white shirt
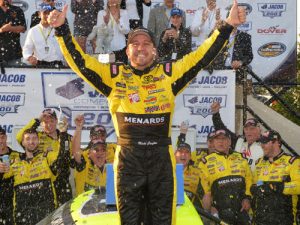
(132, 10)
(41, 43)
(202, 30)
(119, 30)
(252, 152)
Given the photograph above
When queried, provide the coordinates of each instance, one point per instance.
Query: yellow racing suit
(192, 184)
(6, 192)
(272, 207)
(228, 178)
(91, 177)
(34, 194)
(50, 146)
(141, 104)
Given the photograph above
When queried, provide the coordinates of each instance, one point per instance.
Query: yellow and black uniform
(50, 146)
(197, 155)
(91, 177)
(276, 183)
(6, 191)
(192, 184)
(34, 195)
(228, 178)
(141, 104)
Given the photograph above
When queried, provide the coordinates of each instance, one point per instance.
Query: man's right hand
(215, 107)
(57, 18)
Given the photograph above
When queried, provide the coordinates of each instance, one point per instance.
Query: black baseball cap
(2, 131)
(251, 122)
(96, 144)
(97, 129)
(269, 135)
(210, 135)
(222, 132)
(140, 30)
(185, 146)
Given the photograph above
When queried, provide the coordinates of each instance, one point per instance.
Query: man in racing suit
(49, 143)
(33, 174)
(276, 182)
(226, 180)
(6, 183)
(141, 99)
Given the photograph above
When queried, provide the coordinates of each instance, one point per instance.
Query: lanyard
(45, 37)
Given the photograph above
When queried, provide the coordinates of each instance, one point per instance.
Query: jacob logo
(200, 104)
(272, 9)
(9, 102)
(271, 49)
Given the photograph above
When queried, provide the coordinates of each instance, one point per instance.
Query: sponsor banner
(25, 93)
(194, 102)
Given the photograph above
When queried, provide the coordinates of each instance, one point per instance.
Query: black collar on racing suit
(274, 158)
(144, 71)
(224, 154)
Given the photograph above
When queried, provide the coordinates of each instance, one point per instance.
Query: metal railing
(275, 96)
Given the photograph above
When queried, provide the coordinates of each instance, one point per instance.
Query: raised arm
(96, 74)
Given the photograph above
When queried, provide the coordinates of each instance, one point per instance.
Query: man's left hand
(237, 15)
(246, 205)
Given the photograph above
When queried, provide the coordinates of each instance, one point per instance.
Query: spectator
(97, 134)
(226, 180)
(36, 17)
(85, 12)
(248, 144)
(49, 143)
(192, 184)
(33, 172)
(175, 42)
(135, 11)
(41, 48)
(143, 129)
(116, 21)
(12, 23)
(237, 53)
(276, 181)
(92, 172)
(206, 19)
(159, 19)
(196, 154)
(6, 184)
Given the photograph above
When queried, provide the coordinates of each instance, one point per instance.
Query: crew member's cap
(251, 122)
(97, 143)
(184, 145)
(2, 131)
(176, 12)
(140, 30)
(46, 7)
(51, 112)
(97, 129)
(269, 135)
(222, 132)
(210, 135)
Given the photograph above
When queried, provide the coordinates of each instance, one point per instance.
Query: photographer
(175, 42)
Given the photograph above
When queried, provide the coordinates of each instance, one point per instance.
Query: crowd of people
(103, 29)
(240, 179)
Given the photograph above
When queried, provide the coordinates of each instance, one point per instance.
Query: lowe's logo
(272, 9)
(9, 102)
